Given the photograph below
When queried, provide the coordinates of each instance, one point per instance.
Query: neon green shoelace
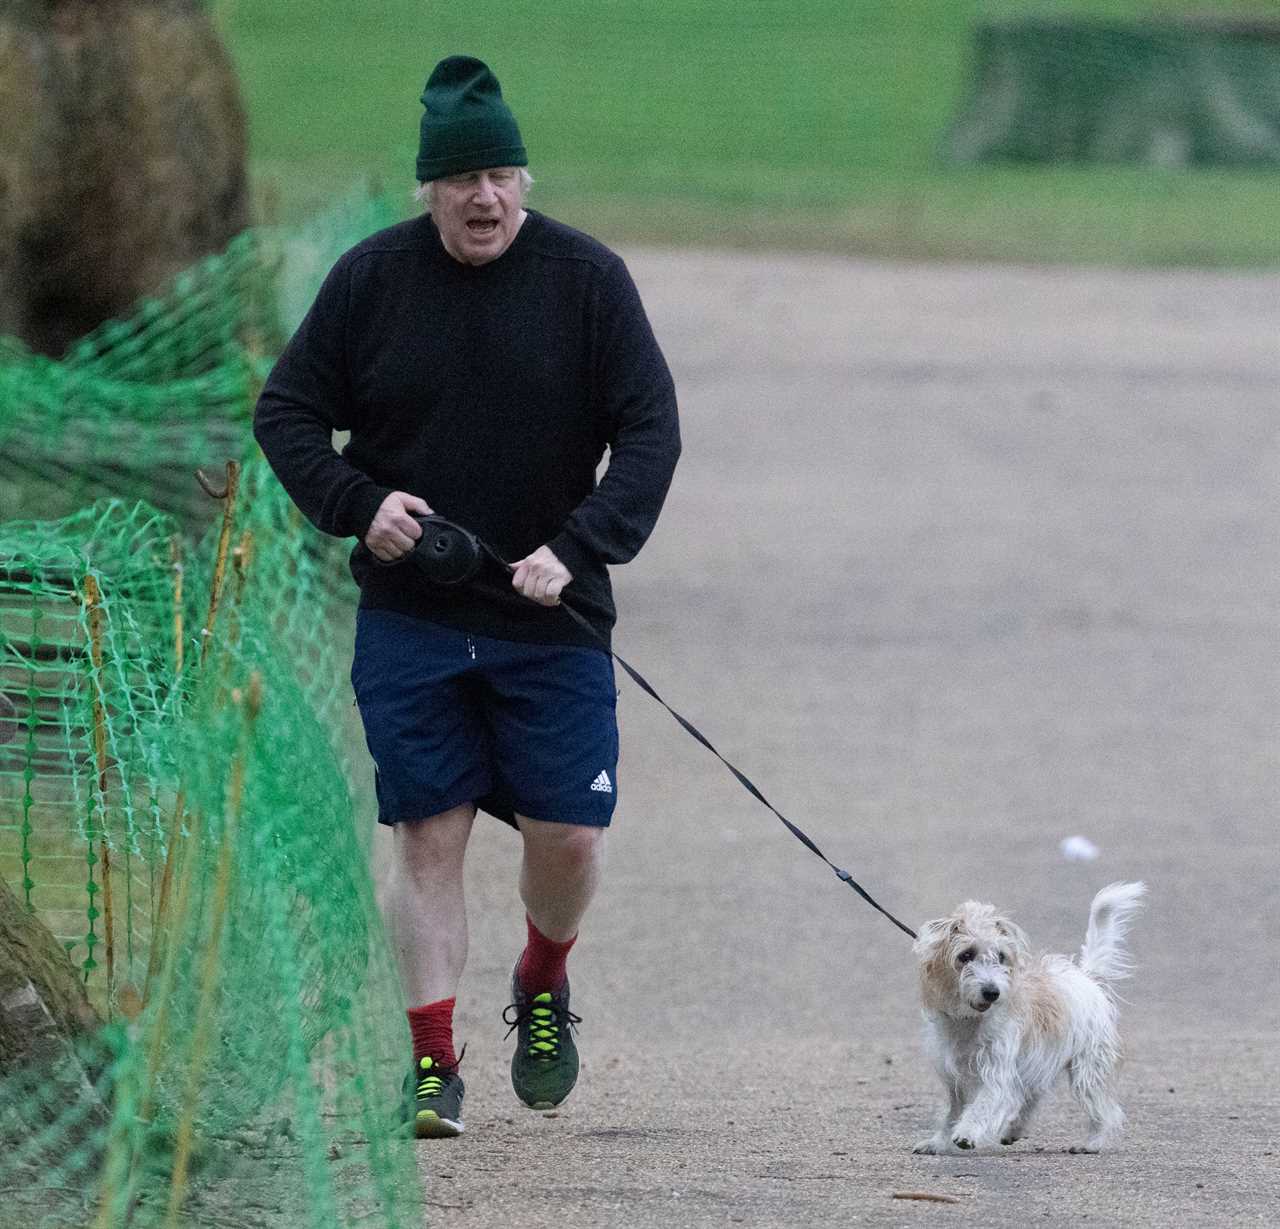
(545, 1020)
(431, 1084)
(544, 1029)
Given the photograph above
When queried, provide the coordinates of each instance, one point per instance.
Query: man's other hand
(394, 531)
(541, 577)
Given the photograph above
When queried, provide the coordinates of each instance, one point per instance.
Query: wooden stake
(156, 954)
(220, 561)
(175, 556)
(241, 558)
(212, 967)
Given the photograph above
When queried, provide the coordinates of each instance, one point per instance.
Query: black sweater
(491, 392)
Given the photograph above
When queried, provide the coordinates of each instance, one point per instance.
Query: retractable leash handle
(445, 553)
(448, 554)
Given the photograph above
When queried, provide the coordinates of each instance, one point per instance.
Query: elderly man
(483, 358)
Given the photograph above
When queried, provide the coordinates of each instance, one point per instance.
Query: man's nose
(484, 192)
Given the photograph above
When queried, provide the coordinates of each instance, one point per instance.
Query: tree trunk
(122, 158)
(43, 1005)
(1164, 92)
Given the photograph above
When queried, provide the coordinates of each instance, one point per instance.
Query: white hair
(422, 193)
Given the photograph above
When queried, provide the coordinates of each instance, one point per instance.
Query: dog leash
(450, 555)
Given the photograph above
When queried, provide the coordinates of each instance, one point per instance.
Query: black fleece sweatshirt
(492, 392)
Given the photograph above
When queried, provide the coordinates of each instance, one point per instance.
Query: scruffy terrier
(1001, 1025)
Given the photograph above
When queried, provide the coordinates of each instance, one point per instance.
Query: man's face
(478, 213)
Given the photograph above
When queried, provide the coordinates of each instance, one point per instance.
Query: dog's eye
(965, 956)
(1004, 957)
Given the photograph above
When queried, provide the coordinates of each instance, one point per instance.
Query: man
(483, 357)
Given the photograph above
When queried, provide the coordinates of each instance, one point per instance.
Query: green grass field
(739, 122)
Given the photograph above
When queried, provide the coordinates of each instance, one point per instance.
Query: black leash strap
(449, 554)
(745, 781)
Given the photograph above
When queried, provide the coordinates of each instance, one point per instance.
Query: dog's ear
(1016, 938)
(931, 937)
(931, 949)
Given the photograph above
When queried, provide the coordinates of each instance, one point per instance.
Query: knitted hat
(467, 125)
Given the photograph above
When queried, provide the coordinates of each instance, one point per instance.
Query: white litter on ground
(1078, 849)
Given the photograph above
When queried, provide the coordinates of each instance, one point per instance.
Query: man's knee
(435, 841)
(573, 847)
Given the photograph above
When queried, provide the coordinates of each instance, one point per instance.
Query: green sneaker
(544, 1067)
(432, 1100)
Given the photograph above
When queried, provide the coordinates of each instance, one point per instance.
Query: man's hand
(541, 577)
(394, 531)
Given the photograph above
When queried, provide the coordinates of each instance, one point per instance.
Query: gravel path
(959, 562)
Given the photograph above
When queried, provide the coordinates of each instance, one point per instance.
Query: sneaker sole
(430, 1126)
(543, 1104)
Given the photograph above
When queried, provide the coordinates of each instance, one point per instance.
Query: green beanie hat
(467, 125)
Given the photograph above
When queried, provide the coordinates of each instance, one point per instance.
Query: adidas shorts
(516, 728)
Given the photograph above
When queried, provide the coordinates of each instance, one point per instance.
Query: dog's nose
(990, 993)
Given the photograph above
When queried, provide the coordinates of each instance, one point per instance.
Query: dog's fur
(1001, 1025)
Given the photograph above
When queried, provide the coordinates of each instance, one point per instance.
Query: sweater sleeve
(636, 400)
(305, 399)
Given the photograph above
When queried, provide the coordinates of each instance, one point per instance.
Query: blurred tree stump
(1161, 92)
(43, 1006)
(44, 1013)
(122, 158)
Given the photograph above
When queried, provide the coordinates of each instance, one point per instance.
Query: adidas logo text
(602, 784)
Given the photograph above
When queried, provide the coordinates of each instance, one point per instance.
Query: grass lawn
(738, 122)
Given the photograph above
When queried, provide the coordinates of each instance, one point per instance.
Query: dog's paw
(1011, 1137)
(963, 1142)
(1084, 1149)
(933, 1145)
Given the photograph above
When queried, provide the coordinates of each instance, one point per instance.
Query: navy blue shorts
(515, 728)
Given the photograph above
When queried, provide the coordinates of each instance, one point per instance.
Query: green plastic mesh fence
(173, 801)
(138, 403)
(205, 875)
(55, 781)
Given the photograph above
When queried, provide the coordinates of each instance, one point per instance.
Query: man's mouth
(482, 227)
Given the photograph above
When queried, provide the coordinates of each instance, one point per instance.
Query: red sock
(432, 1029)
(542, 965)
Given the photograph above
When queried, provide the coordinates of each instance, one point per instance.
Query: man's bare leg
(425, 905)
(558, 878)
(559, 874)
(426, 914)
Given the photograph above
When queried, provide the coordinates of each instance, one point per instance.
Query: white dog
(1002, 1026)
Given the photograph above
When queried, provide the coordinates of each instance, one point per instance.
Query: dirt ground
(959, 562)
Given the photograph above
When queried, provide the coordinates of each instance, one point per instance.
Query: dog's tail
(1103, 955)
